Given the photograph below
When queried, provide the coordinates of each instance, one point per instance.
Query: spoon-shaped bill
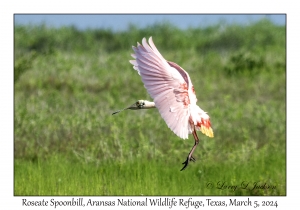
(116, 112)
(133, 107)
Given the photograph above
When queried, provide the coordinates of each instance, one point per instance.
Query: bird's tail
(205, 127)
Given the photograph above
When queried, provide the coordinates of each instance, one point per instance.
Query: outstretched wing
(167, 84)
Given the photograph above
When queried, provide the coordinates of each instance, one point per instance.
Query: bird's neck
(149, 105)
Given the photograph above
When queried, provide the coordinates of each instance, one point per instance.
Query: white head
(140, 104)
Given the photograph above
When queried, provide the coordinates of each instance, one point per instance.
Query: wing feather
(163, 82)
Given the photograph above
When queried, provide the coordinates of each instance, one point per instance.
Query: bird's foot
(187, 162)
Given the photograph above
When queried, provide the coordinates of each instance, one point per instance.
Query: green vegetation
(68, 82)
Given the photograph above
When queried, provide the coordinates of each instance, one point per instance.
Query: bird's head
(138, 105)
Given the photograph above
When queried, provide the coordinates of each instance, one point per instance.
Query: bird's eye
(140, 104)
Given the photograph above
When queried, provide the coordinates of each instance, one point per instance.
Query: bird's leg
(190, 157)
(193, 159)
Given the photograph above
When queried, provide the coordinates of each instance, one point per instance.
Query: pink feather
(171, 89)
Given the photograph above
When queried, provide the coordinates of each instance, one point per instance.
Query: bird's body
(173, 92)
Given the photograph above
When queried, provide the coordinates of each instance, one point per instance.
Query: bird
(171, 88)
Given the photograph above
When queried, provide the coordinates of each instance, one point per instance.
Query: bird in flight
(173, 93)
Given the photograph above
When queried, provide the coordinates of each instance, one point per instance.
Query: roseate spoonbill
(172, 90)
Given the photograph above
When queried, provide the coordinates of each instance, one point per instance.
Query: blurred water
(121, 22)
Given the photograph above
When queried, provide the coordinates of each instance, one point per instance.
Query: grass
(56, 176)
(68, 82)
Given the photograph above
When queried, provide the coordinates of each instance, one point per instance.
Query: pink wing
(167, 84)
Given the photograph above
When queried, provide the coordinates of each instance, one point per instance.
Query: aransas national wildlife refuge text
(187, 202)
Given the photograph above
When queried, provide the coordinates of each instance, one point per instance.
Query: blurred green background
(67, 83)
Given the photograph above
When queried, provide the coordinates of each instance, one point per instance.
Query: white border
(8, 8)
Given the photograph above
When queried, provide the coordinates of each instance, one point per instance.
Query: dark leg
(190, 157)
